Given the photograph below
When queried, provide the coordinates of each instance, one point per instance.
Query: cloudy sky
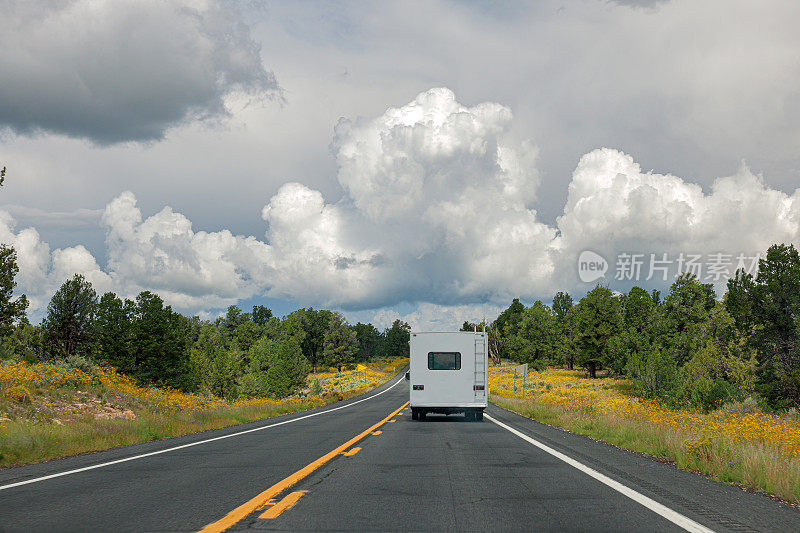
(425, 160)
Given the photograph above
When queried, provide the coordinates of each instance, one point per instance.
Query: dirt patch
(91, 406)
(60, 408)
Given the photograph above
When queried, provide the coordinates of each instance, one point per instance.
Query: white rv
(448, 373)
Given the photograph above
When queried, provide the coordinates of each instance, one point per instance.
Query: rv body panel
(448, 372)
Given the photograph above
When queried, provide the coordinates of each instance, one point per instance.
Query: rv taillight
(478, 387)
(418, 387)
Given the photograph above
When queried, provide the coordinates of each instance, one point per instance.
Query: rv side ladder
(480, 367)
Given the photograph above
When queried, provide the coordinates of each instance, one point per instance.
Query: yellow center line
(261, 500)
(281, 506)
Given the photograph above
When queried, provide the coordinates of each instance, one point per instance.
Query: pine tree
(340, 344)
(10, 310)
(69, 325)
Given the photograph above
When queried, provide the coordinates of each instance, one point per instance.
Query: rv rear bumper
(431, 407)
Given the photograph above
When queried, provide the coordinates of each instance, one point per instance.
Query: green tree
(506, 327)
(720, 328)
(635, 335)
(369, 341)
(396, 339)
(11, 310)
(682, 316)
(261, 314)
(656, 297)
(288, 370)
(247, 333)
(224, 371)
(638, 308)
(277, 368)
(537, 335)
(340, 344)
(113, 332)
(562, 304)
(491, 333)
(233, 319)
(767, 310)
(309, 327)
(597, 320)
(564, 309)
(69, 324)
(159, 336)
(740, 299)
(214, 367)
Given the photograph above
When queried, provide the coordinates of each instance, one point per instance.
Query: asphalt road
(434, 475)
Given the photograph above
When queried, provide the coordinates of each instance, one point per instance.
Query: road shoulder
(716, 505)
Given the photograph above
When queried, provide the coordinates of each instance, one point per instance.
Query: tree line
(238, 354)
(687, 348)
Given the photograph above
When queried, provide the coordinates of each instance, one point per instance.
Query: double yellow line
(262, 499)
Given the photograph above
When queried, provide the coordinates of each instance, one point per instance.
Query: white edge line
(189, 445)
(673, 516)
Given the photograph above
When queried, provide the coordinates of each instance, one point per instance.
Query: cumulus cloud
(613, 206)
(41, 271)
(437, 204)
(437, 211)
(123, 71)
(315, 250)
(191, 270)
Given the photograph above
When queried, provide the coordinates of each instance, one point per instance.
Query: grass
(737, 444)
(25, 441)
(49, 411)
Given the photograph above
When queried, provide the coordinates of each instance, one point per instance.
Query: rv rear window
(444, 361)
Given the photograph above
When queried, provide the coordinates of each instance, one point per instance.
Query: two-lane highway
(365, 465)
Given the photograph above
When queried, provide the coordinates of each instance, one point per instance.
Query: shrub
(712, 378)
(707, 394)
(747, 406)
(252, 385)
(81, 363)
(23, 344)
(654, 374)
(18, 394)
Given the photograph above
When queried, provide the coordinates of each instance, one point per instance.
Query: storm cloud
(124, 70)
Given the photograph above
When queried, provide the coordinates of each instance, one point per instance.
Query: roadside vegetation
(738, 443)
(52, 410)
(712, 384)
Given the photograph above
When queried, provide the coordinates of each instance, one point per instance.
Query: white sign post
(522, 369)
